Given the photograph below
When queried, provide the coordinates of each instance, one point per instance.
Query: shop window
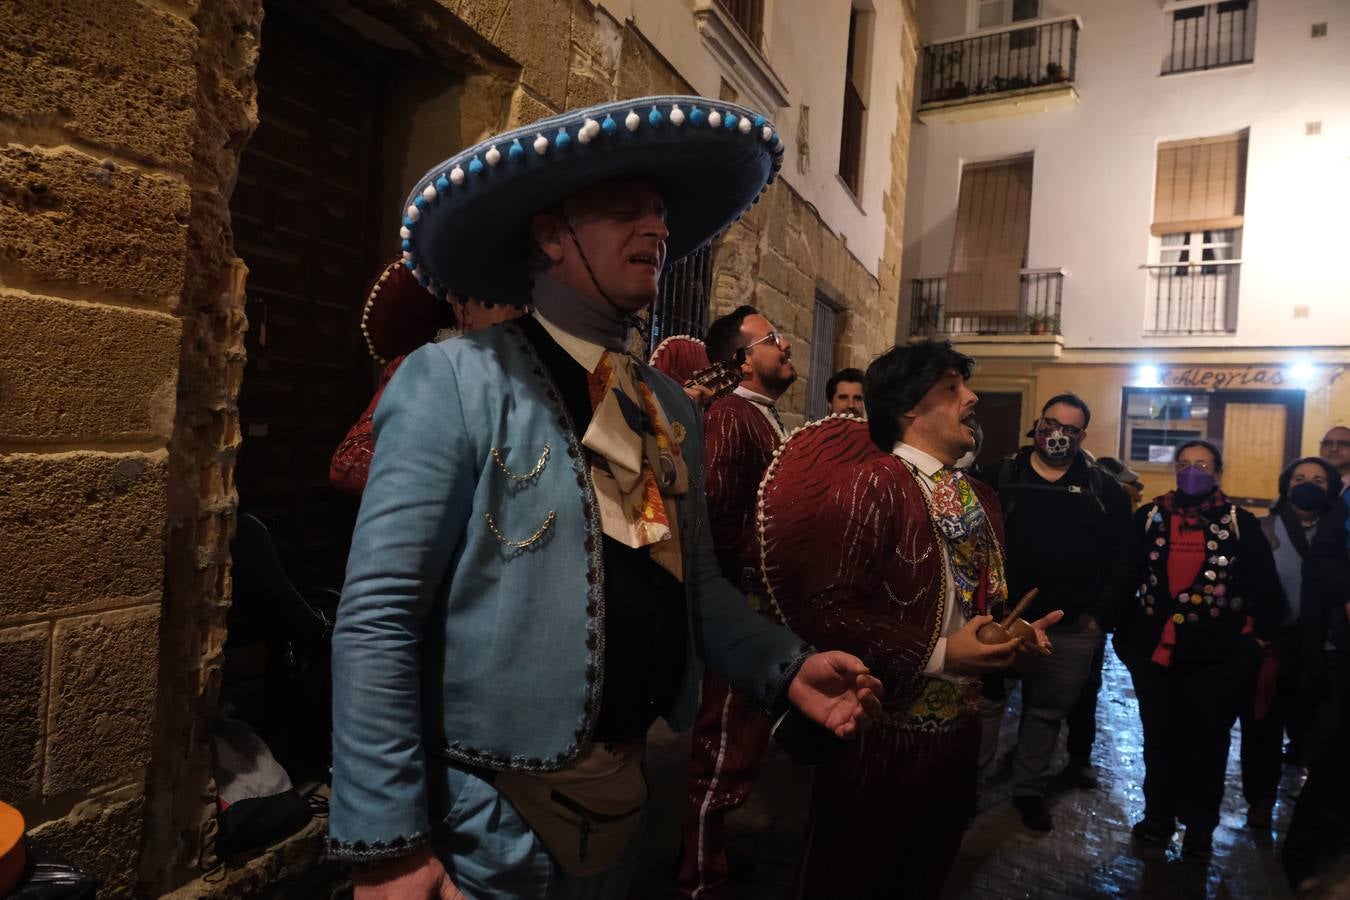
(1258, 432)
(1157, 422)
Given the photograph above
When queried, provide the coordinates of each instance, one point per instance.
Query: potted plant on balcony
(1055, 72)
(1042, 323)
(948, 67)
(927, 317)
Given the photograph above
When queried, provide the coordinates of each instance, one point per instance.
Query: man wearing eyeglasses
(742, 431)
(1067, 533)
(1335, 449)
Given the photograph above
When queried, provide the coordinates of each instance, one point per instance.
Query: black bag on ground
(257, 803)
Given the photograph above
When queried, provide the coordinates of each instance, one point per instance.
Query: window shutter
(993, 221)
(1200, 184)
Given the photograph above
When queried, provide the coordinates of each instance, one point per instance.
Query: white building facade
(1137, 201)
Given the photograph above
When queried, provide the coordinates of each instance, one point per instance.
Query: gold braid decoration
(538, 467)
(519, 545)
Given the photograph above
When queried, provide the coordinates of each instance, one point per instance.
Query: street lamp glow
(1301, 373)
(1147, 376)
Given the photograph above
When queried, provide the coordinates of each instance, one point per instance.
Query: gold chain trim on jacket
(528, 476)
(520, 545)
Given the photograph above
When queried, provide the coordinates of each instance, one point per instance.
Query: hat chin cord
(630, 319)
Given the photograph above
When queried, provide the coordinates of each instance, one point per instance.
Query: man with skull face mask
(1068, 535)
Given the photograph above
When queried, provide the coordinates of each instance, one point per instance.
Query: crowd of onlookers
(1219, 613)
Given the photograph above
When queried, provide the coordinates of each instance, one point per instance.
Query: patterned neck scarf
(637, 467)
(977, 560)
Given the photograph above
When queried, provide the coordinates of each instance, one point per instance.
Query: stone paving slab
(1088, 855)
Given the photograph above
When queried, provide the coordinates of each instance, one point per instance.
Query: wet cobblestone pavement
(1088, 854)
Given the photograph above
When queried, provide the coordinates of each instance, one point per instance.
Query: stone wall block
(23, 707)
(773, 305)
(78, 370)
(526, 108)
(776, 216)
(80, 530)
(537, 34)
(634, 78)
(117, 74)
(800, 250)
(102, 837)
(102, 697)
(483, 16)
(597, 37)
(774, 269)
(587, 87)
(68, 219)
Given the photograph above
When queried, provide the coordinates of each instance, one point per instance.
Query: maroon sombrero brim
(680, 356)
(400, 315)
(795, 487)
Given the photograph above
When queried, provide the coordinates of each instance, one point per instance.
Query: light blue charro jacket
(451, 642)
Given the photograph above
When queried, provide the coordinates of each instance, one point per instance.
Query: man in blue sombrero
(531, 581)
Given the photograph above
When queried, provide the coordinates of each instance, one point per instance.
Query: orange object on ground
(13, 856)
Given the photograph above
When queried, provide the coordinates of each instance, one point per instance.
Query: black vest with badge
(1209, 613)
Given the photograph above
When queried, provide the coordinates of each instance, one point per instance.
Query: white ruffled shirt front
(954, 617)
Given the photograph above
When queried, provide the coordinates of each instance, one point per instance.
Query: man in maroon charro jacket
(876, 543)
(742, 431)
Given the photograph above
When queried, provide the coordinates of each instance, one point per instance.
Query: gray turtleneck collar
(580, 316)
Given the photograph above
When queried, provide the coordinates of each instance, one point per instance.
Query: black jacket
(1325, 582)
(1069, 538)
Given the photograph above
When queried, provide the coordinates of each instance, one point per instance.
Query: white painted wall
(807, 46)
(1092, 193)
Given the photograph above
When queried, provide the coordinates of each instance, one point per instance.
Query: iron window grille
(1211, 36)
(684, 296)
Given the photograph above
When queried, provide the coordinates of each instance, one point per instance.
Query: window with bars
(824, 322)
(1210, 36)
(685, 294)
(1197, 218)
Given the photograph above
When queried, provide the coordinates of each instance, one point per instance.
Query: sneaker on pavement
(1035, 814)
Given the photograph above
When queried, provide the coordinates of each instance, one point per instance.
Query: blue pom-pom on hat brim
(474, 237)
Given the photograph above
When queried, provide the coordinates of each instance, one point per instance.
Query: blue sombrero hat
(465, 225)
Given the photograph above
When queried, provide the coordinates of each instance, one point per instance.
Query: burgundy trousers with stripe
(729, 739)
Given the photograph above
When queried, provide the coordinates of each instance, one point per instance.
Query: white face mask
(966, 461)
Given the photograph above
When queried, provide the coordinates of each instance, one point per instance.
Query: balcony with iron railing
(1040, 302)
(1188, 298)
(1211, 36)
(1029, 66)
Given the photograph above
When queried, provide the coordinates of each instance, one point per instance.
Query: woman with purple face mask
(1207, 582)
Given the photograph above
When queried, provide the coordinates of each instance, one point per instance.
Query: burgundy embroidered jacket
(875, 584)
(739, 444)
